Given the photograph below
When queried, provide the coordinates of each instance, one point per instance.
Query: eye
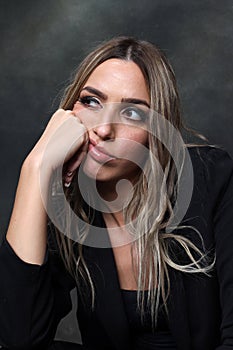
(134, 113)
(90, 102)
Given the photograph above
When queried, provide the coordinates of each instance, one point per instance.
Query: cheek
(85, 115)
(140, 137)
(143, 138)
(135, 149)
(81, 113)
(76, 107)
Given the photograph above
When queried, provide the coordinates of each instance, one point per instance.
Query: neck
(115, 194)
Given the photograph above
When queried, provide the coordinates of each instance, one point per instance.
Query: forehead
(119, 77)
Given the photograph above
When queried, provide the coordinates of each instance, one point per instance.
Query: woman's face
(114, 106)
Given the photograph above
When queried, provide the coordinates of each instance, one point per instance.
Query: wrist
(35, 164)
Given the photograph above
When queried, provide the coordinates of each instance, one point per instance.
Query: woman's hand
(64, 141)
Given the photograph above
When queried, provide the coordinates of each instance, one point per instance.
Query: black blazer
(33, 298)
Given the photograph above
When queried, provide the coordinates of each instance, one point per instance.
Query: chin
(98, 173)
(109, 173)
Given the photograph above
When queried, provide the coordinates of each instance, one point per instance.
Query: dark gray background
(42, 41)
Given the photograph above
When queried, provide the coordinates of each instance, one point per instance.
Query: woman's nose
(105, 124)
(105, 131)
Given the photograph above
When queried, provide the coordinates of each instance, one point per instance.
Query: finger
(75, 161)
(73, 114)
(67, 179)
(72, 167)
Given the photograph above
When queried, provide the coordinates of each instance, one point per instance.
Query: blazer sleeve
(33, 299)
(223, 223)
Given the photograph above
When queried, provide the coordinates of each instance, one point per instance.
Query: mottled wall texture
(42, 41)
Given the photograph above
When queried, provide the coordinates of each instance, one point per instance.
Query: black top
(142, 334)
(33, 298)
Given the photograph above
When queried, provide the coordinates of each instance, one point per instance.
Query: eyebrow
(105, 97)
(95, 92)
(136, 101)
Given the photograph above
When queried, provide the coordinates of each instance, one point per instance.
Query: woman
(145, 278)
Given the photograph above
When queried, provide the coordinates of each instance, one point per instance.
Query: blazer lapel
(109, 304)
(178, 317)
(110, 308)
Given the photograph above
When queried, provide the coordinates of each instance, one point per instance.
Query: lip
(99, 153)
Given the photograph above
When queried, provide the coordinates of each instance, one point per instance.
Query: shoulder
(210, 155)
(215, 163)
(213, 171)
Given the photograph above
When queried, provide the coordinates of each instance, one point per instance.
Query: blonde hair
(155, 248)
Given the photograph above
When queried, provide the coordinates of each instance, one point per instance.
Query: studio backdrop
(43, 41)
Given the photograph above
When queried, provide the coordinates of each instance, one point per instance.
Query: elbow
(23, 344)
(14, 340)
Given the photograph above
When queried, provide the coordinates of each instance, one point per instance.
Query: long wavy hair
(154, 249)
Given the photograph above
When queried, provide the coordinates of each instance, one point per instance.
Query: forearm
(27, 232)
(64, 140)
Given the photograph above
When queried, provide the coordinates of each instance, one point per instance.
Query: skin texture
(67, 137)
(64, 138)
(119, 134)
(116, 133)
